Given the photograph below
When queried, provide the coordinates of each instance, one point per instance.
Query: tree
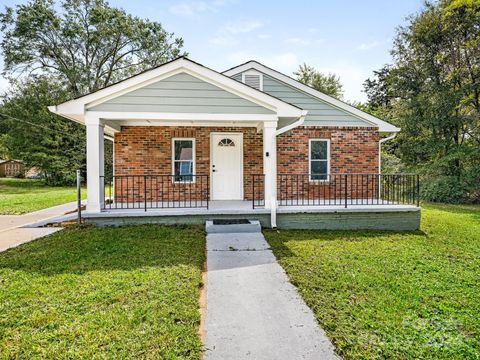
(87, 46)
(55, 52)
(328, 84)
(377, 89)
(432, 91)
(40, 138)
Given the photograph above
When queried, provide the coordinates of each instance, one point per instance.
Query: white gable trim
(76, 108)
(383, 126)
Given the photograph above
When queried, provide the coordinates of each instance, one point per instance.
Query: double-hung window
(319, 159)
(183, 159)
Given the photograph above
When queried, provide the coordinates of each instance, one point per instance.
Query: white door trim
(241, 160)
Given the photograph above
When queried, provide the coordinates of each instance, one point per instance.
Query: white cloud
(221, 39)
(196, 7)
(297, 41)
(284, 62)
(312, 30)
(226, 34)
(368, 46)
(244, 26)
(264, 36)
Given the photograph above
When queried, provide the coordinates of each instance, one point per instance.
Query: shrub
(446, 189)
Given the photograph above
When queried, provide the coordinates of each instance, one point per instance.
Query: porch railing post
(208, 190)
(79, 198)
(346, 194)
(418, 190)
(253, 191)
(145, 191)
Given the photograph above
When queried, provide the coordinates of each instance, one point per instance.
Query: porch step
(232, 226)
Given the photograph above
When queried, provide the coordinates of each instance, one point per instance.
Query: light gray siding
(319, 112)
(237, 77)
(182, 93)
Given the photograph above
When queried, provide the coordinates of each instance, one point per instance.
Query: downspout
(273, 202)
(380, 150)
(295, 124)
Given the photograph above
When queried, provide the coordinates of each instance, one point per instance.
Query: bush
(446, 189)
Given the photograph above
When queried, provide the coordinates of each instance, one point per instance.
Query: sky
(350, 38)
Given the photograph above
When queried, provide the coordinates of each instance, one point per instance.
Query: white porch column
(270, 163)
(95, 163)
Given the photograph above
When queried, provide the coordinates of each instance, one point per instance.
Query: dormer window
(253, 79)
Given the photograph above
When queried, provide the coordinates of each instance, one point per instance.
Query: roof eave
(76, 108)
(382, 125)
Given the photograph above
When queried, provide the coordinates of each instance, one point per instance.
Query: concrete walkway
(252, 310)
(19, 229)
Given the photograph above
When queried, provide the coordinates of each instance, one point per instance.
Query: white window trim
(310, 161)
(253, 72)
(194, 156)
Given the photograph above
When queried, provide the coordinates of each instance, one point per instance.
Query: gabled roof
(75, 109)
(383, 126)
(11, 160)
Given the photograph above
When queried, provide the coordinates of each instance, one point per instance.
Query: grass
(20, 196)
(393, 295)
(129, 292)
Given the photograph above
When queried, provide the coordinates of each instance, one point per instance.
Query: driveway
(252, 310)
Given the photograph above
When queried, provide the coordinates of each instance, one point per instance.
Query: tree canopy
(86, 44)
(55, 51)
(432, 91)
(328, 84)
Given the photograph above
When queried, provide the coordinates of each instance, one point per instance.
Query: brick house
(190, 141)
(12, 168)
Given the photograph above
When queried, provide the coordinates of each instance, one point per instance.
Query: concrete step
(228, 226)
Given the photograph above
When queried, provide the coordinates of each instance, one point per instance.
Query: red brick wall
(352, 150)
(148, 150)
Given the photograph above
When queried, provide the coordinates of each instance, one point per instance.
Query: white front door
(226, 164)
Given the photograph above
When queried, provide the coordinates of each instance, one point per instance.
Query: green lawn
(20, 196)
(129, 292)
(393, 295)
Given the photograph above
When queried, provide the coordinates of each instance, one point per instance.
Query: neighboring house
(191, 143)
(12, 168)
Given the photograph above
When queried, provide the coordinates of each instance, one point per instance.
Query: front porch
(341, 201)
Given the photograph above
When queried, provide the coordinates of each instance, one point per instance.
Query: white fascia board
(190, 123)
(383, 126)
(79, 106)
(119, 115)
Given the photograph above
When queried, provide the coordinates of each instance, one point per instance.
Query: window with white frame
(183, 159)
(319, 159)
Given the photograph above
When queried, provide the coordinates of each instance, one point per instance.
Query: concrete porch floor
(243, 207)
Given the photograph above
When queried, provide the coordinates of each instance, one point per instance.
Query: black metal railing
(343, 190)
(156, 191)
(258, 190)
